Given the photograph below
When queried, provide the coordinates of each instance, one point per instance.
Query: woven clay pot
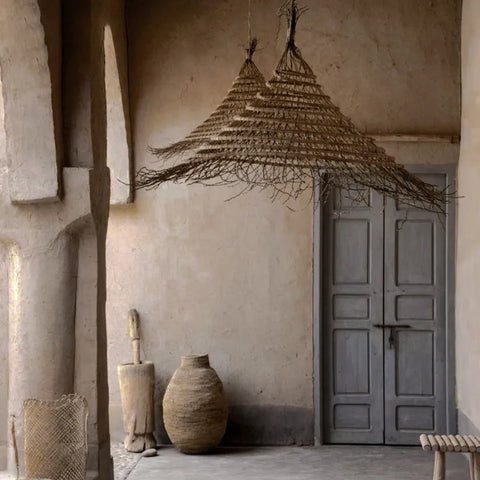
(195, 406)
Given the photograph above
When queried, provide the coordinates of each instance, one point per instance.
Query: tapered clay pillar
(42, 326)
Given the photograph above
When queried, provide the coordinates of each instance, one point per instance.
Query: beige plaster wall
(52, 308)
(30, 114)
(3, 353)
(234, 279)
(85, 331)
(3, 153)
(3, 310)
(468, 251)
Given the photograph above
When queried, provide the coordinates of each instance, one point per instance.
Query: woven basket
(195, 407)
(56, 438)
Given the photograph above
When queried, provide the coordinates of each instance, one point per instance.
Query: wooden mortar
(137, 387)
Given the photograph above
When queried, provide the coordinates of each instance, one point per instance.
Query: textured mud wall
(29, 99)
(52, 307)
(3, 352)
(468, 251)
(234, 279)
(3, 308)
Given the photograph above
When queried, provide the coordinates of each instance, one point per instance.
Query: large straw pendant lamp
(291, 134)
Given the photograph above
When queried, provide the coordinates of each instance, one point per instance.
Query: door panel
(414, 362)
(351, 359)
(415, 284)
(414, 252)
(353, 349)
(351, 251)
(415, 418)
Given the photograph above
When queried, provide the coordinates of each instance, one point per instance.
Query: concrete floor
(303, 463)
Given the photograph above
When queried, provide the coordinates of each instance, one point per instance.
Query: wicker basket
(56, 438)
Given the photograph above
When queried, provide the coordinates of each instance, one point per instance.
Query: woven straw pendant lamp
(291, 134)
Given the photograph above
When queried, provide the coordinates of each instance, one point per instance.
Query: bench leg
(475, 466)
(439, 466)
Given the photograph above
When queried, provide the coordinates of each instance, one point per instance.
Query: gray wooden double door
(384, 320)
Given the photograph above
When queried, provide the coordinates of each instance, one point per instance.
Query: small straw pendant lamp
(243, 90)
(291, 134)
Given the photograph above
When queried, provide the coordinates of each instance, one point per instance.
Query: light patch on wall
(14, 285)
(118, 152)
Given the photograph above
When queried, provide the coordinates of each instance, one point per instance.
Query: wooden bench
(452, 443)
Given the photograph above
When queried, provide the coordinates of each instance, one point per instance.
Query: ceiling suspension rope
(252, 41)
(249, 22)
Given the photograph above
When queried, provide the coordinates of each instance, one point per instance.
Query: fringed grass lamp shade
(247, 84)
(291, 134)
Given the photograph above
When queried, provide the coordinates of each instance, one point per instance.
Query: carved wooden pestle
(134, 328)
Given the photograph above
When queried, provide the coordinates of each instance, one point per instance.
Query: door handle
(393, 329)
(384, 325)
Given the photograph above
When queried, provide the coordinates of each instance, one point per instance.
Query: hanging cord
(293, 12)
(252, 42)
(249, 22)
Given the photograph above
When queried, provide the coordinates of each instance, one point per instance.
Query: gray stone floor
(123, 462)
(303, 463)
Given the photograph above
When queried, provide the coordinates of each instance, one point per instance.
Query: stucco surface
(29, 113)
(3, 351)
(228, 283)
(40, 297)
(3, 152)
(468, 249)
(85, 332)
(234, 279)
(118, 120)
(3, 308)
(55, 294)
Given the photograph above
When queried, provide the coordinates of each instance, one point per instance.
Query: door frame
(450, 170)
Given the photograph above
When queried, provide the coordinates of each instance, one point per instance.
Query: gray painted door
(383, 265)
(415, 285)
(353, 282)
